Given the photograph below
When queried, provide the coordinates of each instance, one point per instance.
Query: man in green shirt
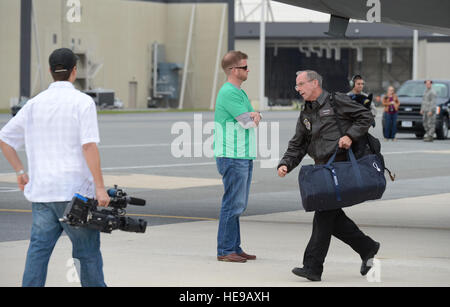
(234, 149)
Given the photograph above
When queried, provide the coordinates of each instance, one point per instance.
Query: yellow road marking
(15, 210)
(144, 181)
(175, 217)
(144, 215)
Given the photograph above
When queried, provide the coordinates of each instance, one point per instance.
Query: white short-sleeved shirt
(53, 126)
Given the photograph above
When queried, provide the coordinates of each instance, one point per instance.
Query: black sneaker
(366, 266)
(302, 272)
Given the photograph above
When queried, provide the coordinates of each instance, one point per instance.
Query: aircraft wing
(430, 15)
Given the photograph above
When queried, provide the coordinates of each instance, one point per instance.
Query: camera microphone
(119, 193)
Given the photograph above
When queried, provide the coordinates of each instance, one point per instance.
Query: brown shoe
(231, 258)
(246, 256)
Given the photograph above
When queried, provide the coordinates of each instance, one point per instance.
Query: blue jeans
(236, 177)
(390, 125)
(45, 231)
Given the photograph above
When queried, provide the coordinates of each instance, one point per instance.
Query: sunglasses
(240, 67)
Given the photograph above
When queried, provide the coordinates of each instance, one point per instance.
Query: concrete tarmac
(412, 221)
(415, 251)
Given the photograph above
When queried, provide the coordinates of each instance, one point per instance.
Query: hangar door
(282, 65)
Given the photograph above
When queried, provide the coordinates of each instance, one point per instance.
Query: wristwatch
(20, 173)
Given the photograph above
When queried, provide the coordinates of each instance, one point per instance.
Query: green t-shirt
(230, 139)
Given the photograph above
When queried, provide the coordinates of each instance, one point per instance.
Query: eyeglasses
(240, 67)
(297, 86)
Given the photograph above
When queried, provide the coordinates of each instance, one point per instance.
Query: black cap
(62, 59)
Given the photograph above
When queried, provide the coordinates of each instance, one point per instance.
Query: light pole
(262, 55)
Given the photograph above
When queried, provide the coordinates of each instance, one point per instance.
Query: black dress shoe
(366, 266)
(302, 272)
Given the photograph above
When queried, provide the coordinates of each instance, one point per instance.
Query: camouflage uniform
(429, 105)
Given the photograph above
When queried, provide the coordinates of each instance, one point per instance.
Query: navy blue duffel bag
(341, 184)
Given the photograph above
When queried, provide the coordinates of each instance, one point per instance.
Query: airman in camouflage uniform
(428, 111)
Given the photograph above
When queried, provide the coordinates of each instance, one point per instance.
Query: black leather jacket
(317, 131)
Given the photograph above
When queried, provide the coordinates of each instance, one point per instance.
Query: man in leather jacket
(317, 134)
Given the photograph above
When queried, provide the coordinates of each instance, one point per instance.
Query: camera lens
(132, 225)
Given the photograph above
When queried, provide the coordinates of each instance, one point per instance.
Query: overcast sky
(281, 12)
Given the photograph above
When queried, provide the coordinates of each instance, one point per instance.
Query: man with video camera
(60, 132)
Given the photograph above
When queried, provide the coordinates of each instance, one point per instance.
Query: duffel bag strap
(391, 175)
(355, 167)
(335, 181)
(356, 171)
(331, 160)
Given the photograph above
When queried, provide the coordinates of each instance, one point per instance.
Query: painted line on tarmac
(130, 214)
(15, 211)
(260, 160)
(8, 190)
(174, 217)
(131, 146)
(144, 145)
(443, 151)
(439, 152)
(269, 161)
(190, 143)
(157, 166)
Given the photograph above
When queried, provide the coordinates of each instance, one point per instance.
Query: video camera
(83, 212)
